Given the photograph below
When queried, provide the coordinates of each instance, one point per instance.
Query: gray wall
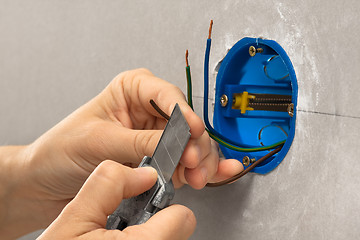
(56, 55)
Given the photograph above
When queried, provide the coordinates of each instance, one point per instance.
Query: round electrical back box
(256, 100)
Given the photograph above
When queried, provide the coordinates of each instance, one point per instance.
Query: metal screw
(253, 50)
(246, 161)
(224, 100)
(252, 160)
(290, 109)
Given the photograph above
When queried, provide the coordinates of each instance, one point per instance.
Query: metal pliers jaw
(139, 209)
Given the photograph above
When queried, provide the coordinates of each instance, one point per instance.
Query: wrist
(18, 206)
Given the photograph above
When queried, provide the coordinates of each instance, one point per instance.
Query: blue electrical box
(256, 100)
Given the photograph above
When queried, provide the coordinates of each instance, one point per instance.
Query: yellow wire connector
(241, 101)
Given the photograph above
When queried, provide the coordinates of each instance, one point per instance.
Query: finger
(139, 143)
(105, 188)
(108, 140)
(143, 142)
(141, 85)
(206, 170)
(175, 222)
(196, 151)
(199, 176)
(227, 168)
(178, 177)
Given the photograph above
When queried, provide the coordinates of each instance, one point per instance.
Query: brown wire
(186, 57)
(158, 109)
(251, 167)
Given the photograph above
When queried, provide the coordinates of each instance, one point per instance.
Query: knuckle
(108, 164)
(143, 71)
(119, 78)
(108, 169)
(126, 76)
(175, 90)
(109, 174)
(132, 74)
(144, 143)
(138, 144)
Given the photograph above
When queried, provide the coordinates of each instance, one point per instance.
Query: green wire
(189, 87)
(216, 138)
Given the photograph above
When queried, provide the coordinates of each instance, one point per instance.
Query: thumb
(106, 187)
(176, 222)
(100, 195)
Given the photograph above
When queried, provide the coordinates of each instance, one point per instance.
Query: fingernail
(203, 171)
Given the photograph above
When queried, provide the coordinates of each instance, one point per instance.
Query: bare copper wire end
(186, 57)
(210, 28)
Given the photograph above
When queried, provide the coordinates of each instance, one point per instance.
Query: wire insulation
(242, 173)
(158, 109)
(189, 83)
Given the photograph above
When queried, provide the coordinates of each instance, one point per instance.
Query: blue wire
(206, 97)
(206, 86)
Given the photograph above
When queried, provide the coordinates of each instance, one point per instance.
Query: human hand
(118, 124)
(85, 216)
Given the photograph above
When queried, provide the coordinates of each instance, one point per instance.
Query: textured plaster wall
(56, 55)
